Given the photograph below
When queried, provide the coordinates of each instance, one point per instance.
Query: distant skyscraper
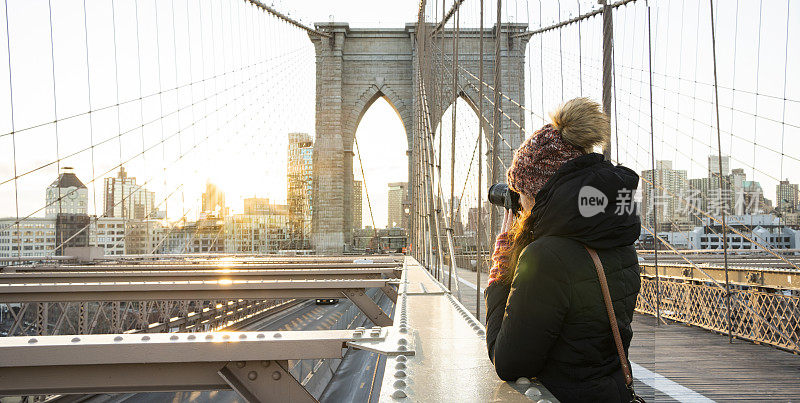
(123, 198)
(214, 201)
(713, 165)
(397, 196)
(66, 195)
(299, 182)
(787, 195)
(671, 185)
(357, 204)
(67, 202)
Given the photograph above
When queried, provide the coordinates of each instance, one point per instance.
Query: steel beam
(369, 307)
(161, 362)
(170, 266)
(183, 290)
(265, 381)
(146, 275)
(745, 276)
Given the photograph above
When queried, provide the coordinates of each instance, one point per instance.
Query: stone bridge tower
(357, 66)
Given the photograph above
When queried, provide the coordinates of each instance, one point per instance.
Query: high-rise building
(670, 186)
(203, 236)
(256, 206)
(267, 232)
(30, 237)
(787, 195)
(299, 182)
(66, 195)
(397, 197)
(357, 204)
(108, 233)
(713, 165)
(67, 202)
(214, 201)
(123, 198)
(143, 236)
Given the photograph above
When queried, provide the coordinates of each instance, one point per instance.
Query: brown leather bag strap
(626, 369)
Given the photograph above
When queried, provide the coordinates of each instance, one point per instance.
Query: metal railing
(768, 317)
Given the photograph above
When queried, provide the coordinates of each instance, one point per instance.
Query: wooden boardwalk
(707, 364)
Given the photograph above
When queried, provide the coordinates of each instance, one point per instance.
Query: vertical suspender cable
(479, 218)
(13, 133)
(653, 204)
(493, 217)
(580, 51)
(608, 48)
(541, 61)
(719, 161)
(783, 109)
(453, 144)
(560, 54)
(55, 124)
(89, 99)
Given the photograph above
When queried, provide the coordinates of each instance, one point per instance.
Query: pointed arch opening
(380, 163)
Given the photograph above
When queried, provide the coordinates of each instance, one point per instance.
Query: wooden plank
(706, 363)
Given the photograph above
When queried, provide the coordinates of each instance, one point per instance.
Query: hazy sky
(221, 85)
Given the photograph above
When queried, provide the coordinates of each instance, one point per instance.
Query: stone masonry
(357, 66)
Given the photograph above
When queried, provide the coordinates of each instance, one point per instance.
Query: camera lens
(497, 194)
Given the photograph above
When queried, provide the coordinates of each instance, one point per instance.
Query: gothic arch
(365, 101)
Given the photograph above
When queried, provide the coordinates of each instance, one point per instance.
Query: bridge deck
(707, 364)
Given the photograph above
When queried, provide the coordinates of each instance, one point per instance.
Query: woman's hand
(508, 221)
(502, 248)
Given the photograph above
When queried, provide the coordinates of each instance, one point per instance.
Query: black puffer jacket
(550, 323)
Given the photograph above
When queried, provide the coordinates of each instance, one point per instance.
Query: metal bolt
(533, 392)
(265, 364)
(118, 338)
(209, 337)
(239, 364)
(191, 337)
(523, 381)
(399, 384)
(76, 339)
(226, 336)
(242, 336)
(544, 401)
(400, 374)
(145, 338)
(276, 375)
(403, 329)
(276, 335)
(402, 348)
(252, 375)
(401, 358)
(399, 394)
(402, 341)
(260, 336)
(173, 337)
(33, 340)
(400, 365)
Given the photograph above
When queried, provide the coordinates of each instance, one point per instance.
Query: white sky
(260, 62)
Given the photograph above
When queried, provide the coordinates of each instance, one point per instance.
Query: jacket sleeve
(520, 336)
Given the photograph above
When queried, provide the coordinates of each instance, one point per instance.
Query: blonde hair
(582, 123)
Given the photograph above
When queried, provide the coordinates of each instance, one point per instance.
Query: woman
(545, 314)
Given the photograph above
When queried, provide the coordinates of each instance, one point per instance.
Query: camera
(501, 195)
